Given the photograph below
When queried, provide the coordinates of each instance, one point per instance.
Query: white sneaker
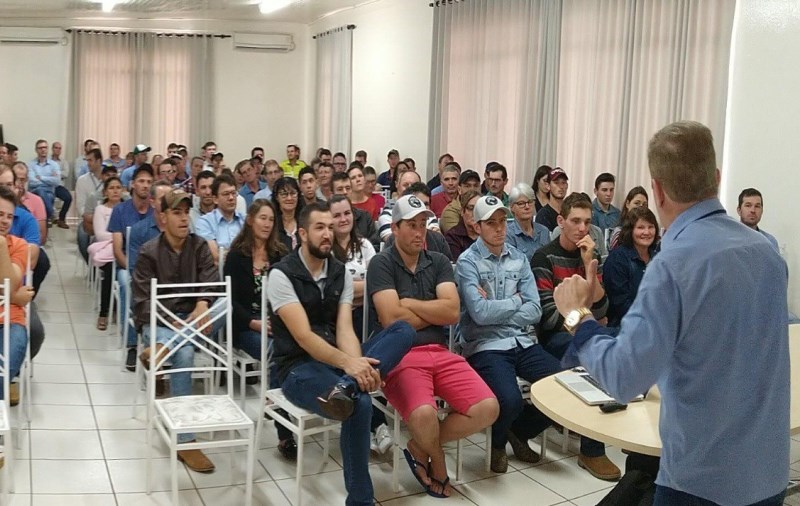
(383, 438)
(373, 443)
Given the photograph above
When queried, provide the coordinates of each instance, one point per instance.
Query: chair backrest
(127, 248)
(266, 351)
(192, 333)
(5, 302)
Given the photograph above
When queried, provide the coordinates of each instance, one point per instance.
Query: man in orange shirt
(13, 263)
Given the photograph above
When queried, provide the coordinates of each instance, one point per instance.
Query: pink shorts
(431, 370)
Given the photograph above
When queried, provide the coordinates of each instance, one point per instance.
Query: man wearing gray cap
(500, 302)
(411, 284)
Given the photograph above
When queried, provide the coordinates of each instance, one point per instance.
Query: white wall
(391, 77)
(761, 141)
(259, 96)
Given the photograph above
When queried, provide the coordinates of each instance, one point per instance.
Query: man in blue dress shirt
(709, 326)
(44, 179)
(750, 210)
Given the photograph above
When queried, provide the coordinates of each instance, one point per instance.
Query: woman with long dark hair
(286, 197)
(637, 197)
(541, 186)
(252, 253)
(625, 265)
(102, 250)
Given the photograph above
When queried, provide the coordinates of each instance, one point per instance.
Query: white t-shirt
(357, 264)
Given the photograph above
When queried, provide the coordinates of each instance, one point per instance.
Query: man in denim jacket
(500, 303)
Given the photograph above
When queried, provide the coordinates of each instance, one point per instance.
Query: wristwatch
(574, 318)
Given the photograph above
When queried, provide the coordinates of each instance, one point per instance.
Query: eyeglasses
(523, 203)
(228, 193)
(285, 194)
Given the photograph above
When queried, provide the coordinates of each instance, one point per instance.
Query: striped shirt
(551, 264)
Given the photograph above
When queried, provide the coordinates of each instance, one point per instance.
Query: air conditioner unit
(29, 35)
(264, 41)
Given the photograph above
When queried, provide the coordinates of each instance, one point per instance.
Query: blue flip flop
(413, 464)
(443, 484)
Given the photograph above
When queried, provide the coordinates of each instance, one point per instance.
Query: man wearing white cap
(408, 283)
(500, 302)
(139, 157)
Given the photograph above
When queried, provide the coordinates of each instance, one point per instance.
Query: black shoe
(251, 380)
(130, 362)
(288, 449)
(338, 403)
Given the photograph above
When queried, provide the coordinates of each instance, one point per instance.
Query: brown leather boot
(196, 460)
(600, 467)
(144, 358)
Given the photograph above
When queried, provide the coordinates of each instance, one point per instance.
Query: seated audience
(272, 172)
(114, 157)
(499, 302)
(307, 182)
(409, 284)
(496, 180)
(405, 181)
(434, 240)
(45, 181)
(361, 197)
(625, 266)
(750, 209)
(189, 184)
(322, 367)
(386, 178)
(604, 214)
(292, 165)
(339, 162)
(33, 203)
(203, 199)
(222, 225)
(361, 156)
(559, 184)
(461, 237)
(175, 256)
(563, 257)
(141, 153)
(468, 180)
(541, 187)
(370, 180)
(285, 198)
(637, 197)
(399, 169)
(522, 232)
(324, 172)
(365, 225)
(435, 183)
(168, 171)
(123, 216)
(101, 251)
(449, 185)
(150, 227)
(87, 185)
(251, 183)
(595, 232)
(252, 253)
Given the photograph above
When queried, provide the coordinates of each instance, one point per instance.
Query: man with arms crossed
(321, 366)
(417, 286)
(709, 325)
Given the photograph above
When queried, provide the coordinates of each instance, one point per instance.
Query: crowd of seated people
(332, 235)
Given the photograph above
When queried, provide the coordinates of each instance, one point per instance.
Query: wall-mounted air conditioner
(264, 41)
(32, 36)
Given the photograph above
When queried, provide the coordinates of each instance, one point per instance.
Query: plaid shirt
(188, 185)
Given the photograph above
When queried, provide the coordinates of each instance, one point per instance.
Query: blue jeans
(313, 379)
(124, 280)
(48, 196)
(180, 383)
(499, 369)
(17, 347)
(83, 243)
(666, 496)
(66, 197)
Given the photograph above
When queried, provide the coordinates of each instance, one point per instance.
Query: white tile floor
(83, 448)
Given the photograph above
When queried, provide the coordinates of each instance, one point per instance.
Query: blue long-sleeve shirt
(525, 243)
(502, 319)
(44, 174)
(709, 325)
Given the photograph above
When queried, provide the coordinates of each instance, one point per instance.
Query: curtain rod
(156, 32)
(442, 3)
(334, 30)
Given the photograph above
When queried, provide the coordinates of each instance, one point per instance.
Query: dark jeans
(313, 379)
(666, 496)
(66, 197)
(557, 344)
(105, 289)
(499, 369)
(36, 331)
(83, 243)
(40, 271)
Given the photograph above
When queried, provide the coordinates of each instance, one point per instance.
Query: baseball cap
(177, 156)
(173, 198)
(408, 207)
(467, 175)
(217, 154)
(486, 206)
(557, 173)
(140, 148)
(107, 167)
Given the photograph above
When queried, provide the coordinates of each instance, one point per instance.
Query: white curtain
(493, 90)
(141, 88)
(334, 84)
(578, 83)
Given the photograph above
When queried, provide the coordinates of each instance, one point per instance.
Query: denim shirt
(605, 219)
(525, 243)
(47, 174)
(502, 319)
(709, 325)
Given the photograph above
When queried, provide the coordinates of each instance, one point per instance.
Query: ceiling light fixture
(268, 6)
(108, 5)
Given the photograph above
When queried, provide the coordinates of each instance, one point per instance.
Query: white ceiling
(300, 11)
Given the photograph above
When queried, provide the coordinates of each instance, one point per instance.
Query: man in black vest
(321, 365)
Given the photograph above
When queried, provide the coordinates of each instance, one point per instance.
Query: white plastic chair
(195, 413)
(5, 411)
(26, 372)
(124, 314)
(299, 421)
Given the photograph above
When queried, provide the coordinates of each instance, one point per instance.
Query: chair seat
(279, 399)
(198, 411)
(5, 425)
